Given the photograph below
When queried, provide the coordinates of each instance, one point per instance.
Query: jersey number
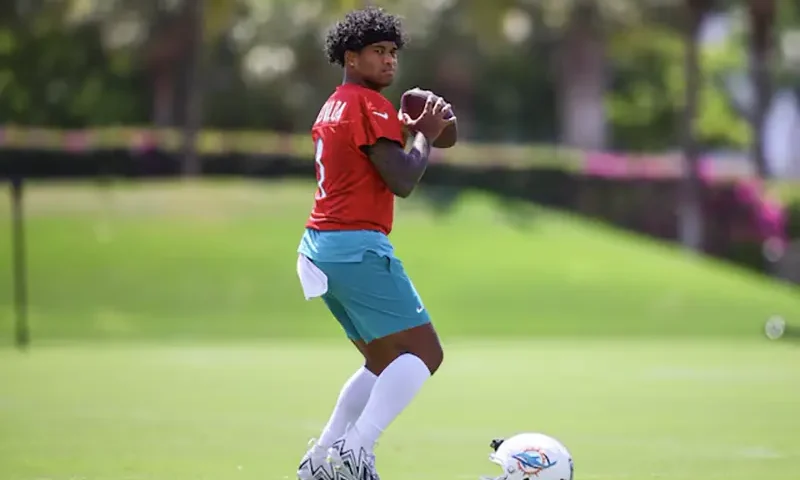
(320, 169)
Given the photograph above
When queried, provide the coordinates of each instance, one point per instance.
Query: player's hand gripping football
(435, 117)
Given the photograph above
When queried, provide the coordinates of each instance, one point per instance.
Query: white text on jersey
(331, 112)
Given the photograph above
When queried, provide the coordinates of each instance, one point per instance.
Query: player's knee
(429, 350)
(424, 343)
(433, 358)
(375, 366)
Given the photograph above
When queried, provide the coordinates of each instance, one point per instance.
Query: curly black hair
(361, 28)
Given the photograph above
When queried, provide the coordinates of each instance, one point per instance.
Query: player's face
(377, 64)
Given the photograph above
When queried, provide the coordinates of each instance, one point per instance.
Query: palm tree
(173, 53)
(192, 164)
(762, 21)
(576, 29)
(581, 71)
(690, 215)
(188, 34)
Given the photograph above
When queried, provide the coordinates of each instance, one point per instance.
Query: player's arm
(400, 170)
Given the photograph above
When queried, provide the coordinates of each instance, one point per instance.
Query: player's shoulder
(376, 100)
(351, 103)
(367, 98)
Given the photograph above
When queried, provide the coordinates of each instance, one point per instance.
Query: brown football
(413, 103)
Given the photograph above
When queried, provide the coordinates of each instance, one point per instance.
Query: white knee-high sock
(352, 399)
(396, 387)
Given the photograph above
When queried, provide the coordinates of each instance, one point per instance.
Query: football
(413, 102)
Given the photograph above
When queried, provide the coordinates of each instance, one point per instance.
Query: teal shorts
(372, 298)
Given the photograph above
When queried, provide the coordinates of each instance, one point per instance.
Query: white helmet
(531, 456)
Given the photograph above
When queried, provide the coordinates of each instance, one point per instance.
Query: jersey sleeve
(377, 120)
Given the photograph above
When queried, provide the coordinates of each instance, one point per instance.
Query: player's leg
(402, 347)
(352, 398)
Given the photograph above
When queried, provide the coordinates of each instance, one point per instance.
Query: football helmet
(531, 456)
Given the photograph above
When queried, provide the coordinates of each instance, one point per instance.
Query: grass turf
(628, 410)
(217, 260)
(645, 362)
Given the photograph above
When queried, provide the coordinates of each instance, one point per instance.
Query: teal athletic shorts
(369, 291)
(372, 298)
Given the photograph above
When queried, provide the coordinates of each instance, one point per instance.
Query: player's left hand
(440, 106)
(427, 93)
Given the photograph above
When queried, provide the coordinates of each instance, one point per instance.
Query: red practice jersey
(351, 195)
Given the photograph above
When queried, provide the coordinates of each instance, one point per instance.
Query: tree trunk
(582, 72)
(163, 98)
(690, 214)
(762, 19)
(164, 52)
(194, 89)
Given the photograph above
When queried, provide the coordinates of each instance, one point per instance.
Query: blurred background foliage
(590, 74)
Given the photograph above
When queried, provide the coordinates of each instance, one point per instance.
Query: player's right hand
(435, 117)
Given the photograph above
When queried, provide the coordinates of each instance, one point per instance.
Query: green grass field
(628, 410)
(171, 342)
(214, 261)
